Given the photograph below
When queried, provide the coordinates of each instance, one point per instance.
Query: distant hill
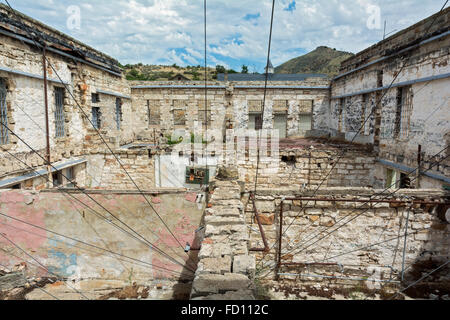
(163, 73)
(322, 60)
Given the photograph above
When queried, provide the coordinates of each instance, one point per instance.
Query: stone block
(313, 211)
(245, 264)
(265, 206)
(216, 283)
(222, 221)
(216, 265)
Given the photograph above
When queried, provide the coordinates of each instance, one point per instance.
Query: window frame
(59, 114)
(404, 109)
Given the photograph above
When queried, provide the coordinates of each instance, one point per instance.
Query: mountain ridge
(321, 60)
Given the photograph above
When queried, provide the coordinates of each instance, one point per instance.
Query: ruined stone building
(97, 89)
(346, 161)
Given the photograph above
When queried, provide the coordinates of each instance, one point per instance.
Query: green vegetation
(143, 72)
(322, 60)
(170, 142)
(194, 139)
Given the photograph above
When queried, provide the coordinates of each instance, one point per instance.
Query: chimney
(225, 78)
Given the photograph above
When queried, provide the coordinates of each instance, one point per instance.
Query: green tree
(244, 69)
(220, 69)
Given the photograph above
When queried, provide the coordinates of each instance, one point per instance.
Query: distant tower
(269, 68)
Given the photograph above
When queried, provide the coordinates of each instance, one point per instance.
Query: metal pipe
(395, 85)
(335, 277)
(360, 200)
(419, 165)
(261, 230)
(304, 264)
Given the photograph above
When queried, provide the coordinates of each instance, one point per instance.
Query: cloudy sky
(171, 31)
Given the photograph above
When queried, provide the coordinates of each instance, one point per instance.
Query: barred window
(96, 117)
(403, 114)
(59, 112)
(4, 136)
(118, 112)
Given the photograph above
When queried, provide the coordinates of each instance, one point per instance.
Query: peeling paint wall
(70, 259)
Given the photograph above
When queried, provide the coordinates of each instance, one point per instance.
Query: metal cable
(96, 213)
(98, 132)
(356, 216)
(264, 97)
(364, 123)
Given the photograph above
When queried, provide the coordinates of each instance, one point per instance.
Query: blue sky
(171, 31)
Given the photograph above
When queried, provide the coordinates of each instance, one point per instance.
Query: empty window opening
(280, 124)
(153, 112)
(255, 121)
(179, 112)
(95, 98)
(405, 181)
(4, 134)
(59, 112)
(16, 186)
(288, 160)
(57, 179)
(118, 113)
(96, 117)
(305, 116)
(204, 113)
(201, 117)
(305, 123)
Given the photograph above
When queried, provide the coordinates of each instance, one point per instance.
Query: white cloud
(151, 31)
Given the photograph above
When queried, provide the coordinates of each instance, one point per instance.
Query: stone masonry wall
(229, 104)
(309, 166)
(225, 269)
(349, 249)
(103, 170)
